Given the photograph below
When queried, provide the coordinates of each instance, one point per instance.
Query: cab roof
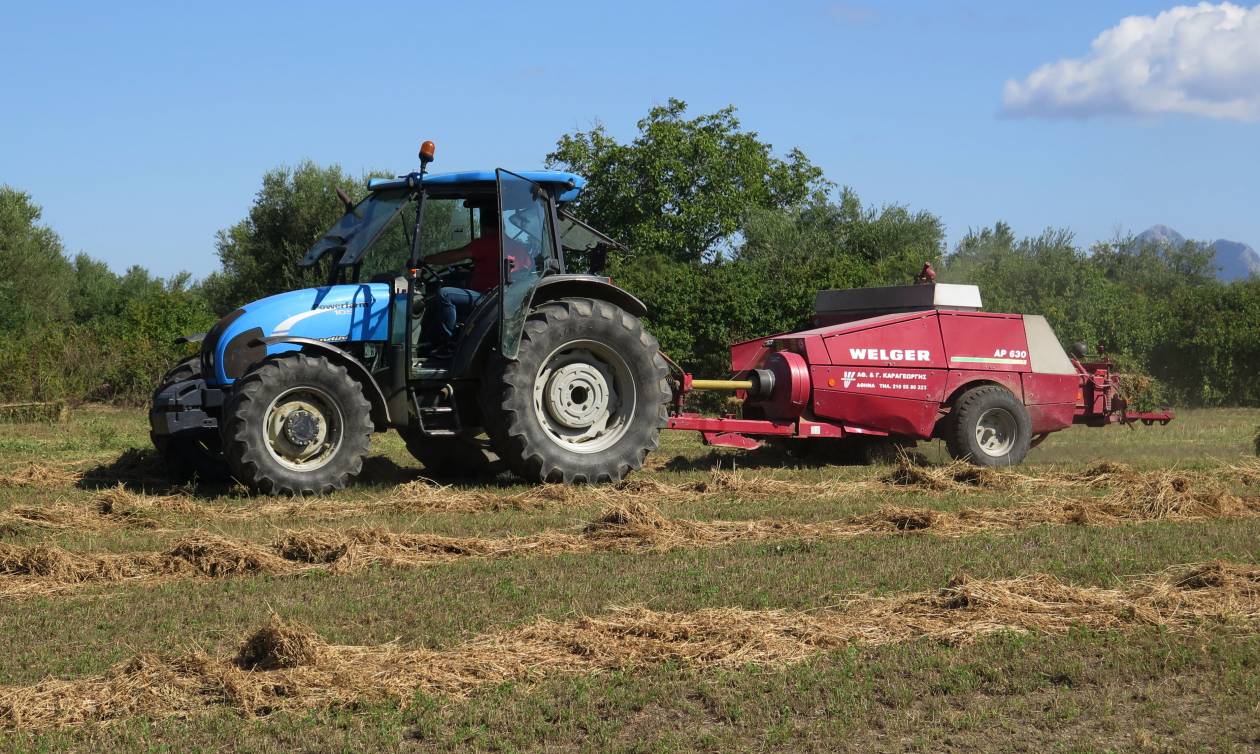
(566, 186)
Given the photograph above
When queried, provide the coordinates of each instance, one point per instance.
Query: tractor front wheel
(585, 399)
(988, 426)
(297, 425)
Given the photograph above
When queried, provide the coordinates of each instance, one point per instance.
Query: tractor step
(430, 369)
(438, 420)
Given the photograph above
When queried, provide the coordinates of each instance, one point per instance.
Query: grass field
(838, 618)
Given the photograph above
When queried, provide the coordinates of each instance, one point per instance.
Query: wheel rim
(996, 430)
(584, 396)
(303, 428)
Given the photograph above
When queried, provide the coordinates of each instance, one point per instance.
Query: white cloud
(1200, 60)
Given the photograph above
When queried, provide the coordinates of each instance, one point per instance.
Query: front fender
(371, 389)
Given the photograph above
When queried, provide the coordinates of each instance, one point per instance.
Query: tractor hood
(333, 314)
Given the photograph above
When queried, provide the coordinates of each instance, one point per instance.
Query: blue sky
(144, 128)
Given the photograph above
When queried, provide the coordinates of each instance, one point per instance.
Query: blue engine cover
(333, 314)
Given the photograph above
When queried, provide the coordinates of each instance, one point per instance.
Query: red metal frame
(1098, 404)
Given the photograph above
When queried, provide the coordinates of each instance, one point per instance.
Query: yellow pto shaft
(721, 384)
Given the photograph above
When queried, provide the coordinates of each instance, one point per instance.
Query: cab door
(526, 250)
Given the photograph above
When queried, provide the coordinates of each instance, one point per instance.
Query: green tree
(767, 284)
(34, 273)
(684, 186)
(260, 254)
(95, 292)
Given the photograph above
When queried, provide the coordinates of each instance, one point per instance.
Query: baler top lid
(831, 307)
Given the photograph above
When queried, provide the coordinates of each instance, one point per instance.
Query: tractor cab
(460, 251)
(466, 310)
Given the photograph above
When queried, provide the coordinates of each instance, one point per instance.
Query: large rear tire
(197, 456)
(297, 425)
(585, 399)
(988, 426)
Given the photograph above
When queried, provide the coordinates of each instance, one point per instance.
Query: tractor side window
(448, 224)
(584, 247)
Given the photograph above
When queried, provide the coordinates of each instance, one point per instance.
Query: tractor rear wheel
(585, 399)
(988, 426)
(297, 425)
(454, 457)
(185, 456)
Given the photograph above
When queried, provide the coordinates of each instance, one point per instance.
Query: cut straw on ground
(44, 569)
(119, 506)
(41, 475)
(289, 667)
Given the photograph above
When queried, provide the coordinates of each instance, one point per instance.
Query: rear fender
(481, 331)
(371, 389)
(962, 380)
(555, 287)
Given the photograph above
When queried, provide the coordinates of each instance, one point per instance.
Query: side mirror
(345, 200)
(599, 260)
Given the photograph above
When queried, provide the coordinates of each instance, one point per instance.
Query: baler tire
(187, 458)
(522, 429)
(458, 457)
(969, 409)
(251, 454)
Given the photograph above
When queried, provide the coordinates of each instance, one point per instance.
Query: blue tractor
(467, 311)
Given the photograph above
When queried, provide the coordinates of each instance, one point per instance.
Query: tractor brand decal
(343, 305)
(890, 354)
(337, 309)
(879, 379)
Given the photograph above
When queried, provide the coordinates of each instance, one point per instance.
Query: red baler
(912, 363)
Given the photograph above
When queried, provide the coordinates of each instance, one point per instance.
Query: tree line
(727, 241)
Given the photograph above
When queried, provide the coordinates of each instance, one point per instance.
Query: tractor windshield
(358, 228)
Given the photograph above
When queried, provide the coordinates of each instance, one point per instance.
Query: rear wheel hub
(584, 396)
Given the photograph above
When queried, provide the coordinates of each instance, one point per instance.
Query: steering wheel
(425, 268)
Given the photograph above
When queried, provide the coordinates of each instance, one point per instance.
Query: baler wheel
(188, 457)
(988, 426)
(585, 399)
(297, 425)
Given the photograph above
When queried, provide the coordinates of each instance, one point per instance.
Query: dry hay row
(119, 507)
(909, 471)
(41, 475)
(45, 569)
(289, 667)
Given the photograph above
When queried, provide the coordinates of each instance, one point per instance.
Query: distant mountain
(1161, 234)
(1233, 260)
